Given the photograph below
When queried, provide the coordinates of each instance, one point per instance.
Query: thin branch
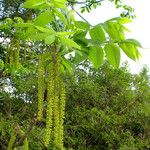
(76, 2)
(80, 15)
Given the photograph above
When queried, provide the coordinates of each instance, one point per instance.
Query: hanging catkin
(11, 59)
(26, 144)
(16, 51)
(13, 53)
(40, 87)
(55, 105)
(49, 109)
(56, 113)
(61, 113)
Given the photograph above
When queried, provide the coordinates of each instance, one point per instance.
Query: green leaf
(31, 32)
(80, 56)
(113, 54)
(38, 36)
(49, 39)
(69, 42)
(33, 3)
(46, 30)
(23, 25)
(121, 20)
(59, 3)
(130, 50)
(114, 30)
(64, 33)
(82, 25)
(97, 34)
(44, 18)
(124, 20)
(96, 56)
(79, 35)
(92, 43)
(68, 65)
(134, 42)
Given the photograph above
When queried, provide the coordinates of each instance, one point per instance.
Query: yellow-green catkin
(56, 117)
(61, 113)
(56, 107)
(40, 87)
(12, 140)
(11, 59)
(49, 109)
(14, 50)
(16, 54)
(26, 144)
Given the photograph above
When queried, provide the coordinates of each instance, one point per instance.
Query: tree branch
(76, 2)
(80, 15)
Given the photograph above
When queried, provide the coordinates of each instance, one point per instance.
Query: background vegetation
(105, 109)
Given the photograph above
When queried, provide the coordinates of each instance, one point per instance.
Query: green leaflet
(49, 39)
(67, 64)
(80, 56)
(38, 4)
(42, 29)
(80, 35)
(131, 50)
(121, 20)
(44, 18)
(69, 42)
(113, 54)
(82, 25)
(37, 36)
(59, 3)
(23, 25)
(114, 30)
(46, 30)
(96, 56)
(134, 42)
(34, 4)
(124, 20)
(97, 34)
(35, 32)
(64, 33)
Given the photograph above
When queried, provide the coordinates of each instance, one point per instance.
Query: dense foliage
(105, 109)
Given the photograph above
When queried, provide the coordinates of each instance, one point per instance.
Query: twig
(76, 2)
(80, 15)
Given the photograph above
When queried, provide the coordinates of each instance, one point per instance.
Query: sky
(140, 27)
